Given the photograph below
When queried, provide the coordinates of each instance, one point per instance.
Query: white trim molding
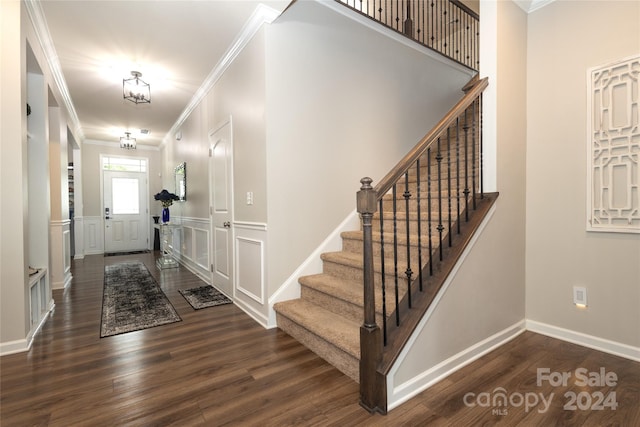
(261, 15)
(613, 147)
(60, 241)
(250, 269)
(585, 340)
(398, 394)
(191, 245)
(93, 233)
(36, 14)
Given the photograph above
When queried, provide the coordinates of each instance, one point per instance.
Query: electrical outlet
(580, 296)
(249, 197)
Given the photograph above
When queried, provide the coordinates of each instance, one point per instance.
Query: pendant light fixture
(136, 90)
(127, 142)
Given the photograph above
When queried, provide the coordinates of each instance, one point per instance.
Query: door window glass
(124, 164)
(124, 193)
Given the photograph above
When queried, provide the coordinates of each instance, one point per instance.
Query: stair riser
(425, 204)
(356, 274)
(355, 246)
(401, 225)
(346, 363)
(354, 312)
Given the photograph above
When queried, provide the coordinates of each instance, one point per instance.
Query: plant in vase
(166, 199)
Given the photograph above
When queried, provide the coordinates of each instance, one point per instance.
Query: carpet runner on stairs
(328, 315)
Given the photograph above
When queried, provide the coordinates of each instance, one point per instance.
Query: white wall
(566, 39)
(14, 314)
(343, 102)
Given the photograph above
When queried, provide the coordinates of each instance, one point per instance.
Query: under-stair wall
(333, 96)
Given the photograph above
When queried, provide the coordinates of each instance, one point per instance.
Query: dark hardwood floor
(219, 367)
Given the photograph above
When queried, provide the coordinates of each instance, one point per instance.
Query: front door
(221, 207)
(126, 226)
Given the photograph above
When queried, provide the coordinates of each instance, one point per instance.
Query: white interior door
(221, 208)
(126, 219)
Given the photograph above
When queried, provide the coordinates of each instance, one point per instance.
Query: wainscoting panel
(250, 262)
(250, 270)
(191, 245)
(60, 254)
(78, 234)
(201, 248)
(93, 235)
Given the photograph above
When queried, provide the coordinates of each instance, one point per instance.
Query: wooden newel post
(372, 391)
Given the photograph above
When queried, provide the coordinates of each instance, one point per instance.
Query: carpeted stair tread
(347, 258)
(337, 330)
(401, 237)
(345, 289)
(349, 291)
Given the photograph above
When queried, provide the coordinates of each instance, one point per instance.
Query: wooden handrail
(374, 352)
(401, 168)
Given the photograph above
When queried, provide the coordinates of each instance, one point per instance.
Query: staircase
(328, 315)
(421, 217)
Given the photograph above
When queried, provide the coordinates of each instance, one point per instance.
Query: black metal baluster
(473, 153)
(408, 272)
(432, 20)
(395, 253)
(446, 30)
(466, 167)
(418, 188)
(383, 279)
(458, 172)
(481, 151)
(440, 226)
(449, 183)
(429, 210)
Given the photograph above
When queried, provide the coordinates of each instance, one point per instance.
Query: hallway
(219, 367)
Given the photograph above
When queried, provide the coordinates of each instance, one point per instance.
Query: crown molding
(532, 5)
(260, 16)
(36, 14)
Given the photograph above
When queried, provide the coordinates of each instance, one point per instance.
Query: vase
(165, 215)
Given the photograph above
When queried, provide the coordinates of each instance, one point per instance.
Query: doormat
(204, 296)
(126, 253)
(132, 300)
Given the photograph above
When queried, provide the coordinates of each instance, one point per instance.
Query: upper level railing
(421, 209)
(447, 26)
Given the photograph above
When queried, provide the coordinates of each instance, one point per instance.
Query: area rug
(132, 300)
(203, 297)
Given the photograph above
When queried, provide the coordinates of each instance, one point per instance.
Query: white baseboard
(251, 312)
(589, 341)
(22, 345)
(399, 394)
(12, 347)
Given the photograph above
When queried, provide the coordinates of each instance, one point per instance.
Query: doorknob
(226, 224)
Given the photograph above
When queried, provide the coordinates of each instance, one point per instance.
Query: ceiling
(174, 44)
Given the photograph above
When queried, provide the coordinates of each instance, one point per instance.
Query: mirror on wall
(181, 181)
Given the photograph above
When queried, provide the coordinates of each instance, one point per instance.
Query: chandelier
(136, 90)
(127, 142)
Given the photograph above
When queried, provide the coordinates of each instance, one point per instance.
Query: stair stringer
(401, 389)
(290, 289)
